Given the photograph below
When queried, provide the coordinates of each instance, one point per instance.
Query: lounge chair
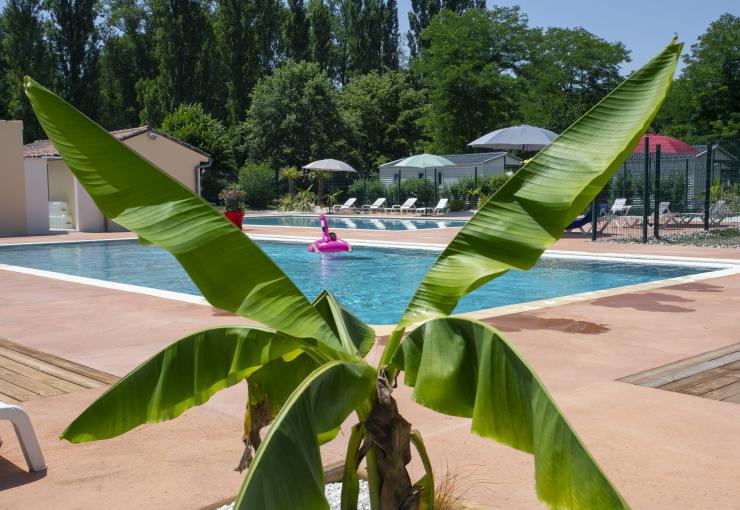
(26, 436)
(717, 214)
(664, 212)
(349, 205)
(407, 206)
(619, 213)
(376, 206)
(438, 210)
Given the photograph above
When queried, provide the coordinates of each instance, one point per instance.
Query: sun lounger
(619, 214)
(407, 206)
(438, 210)
(717, 214)
(26, 436)
(349, 205)
(376, 206)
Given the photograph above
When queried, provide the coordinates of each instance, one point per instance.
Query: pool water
(375, 283)
(353, 223)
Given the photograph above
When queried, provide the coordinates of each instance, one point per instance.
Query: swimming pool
(375, 283)
(353, 223)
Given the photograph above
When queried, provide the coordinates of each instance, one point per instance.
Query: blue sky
(644, 26)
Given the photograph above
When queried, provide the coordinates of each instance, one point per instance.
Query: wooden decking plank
(7, 399)
(687, 382)
(39, 388)
(735, 399)
(60, 362)
(709, 385)
(724, 392)
(16, 392)
(50, 369)
(38, 375)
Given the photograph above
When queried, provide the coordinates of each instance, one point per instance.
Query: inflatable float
(329, 241)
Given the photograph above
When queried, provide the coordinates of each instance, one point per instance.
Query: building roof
(477, 158)
(46, 149)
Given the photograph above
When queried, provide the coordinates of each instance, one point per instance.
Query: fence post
(594, 217)
(475, 177)
(399, 186)
(435, 186)
(645, 190)
(708, 187)
(656, 209)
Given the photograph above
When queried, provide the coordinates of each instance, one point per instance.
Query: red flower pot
(235, 217)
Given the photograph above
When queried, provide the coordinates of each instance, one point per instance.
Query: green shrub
(456, 205)
(491, 184)
(419, 188)
(375, 190)
(233, 198)
(258, 182)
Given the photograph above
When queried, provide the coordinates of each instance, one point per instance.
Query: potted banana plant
(305, 368)
(233, 199)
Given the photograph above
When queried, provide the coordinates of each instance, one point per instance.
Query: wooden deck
(714, 375)
(27, 374)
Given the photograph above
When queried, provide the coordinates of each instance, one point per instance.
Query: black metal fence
(670, 196)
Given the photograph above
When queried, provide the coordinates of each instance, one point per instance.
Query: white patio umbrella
(330, 165)
(524, 137)
(423, 161)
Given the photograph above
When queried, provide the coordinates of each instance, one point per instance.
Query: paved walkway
(662, 449)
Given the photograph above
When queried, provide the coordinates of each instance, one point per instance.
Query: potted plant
(233, 198)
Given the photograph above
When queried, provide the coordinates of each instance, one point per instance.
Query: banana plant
(305, 367)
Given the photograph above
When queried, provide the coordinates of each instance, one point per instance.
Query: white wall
(89, 217)
(12, 179)
(37, 196)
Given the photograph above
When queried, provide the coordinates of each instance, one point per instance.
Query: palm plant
(305, 370)
(291, 174)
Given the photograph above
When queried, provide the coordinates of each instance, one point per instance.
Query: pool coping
(722, 268)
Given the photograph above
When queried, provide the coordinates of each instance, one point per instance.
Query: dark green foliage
(390, 36)
(420, 16)
(297, 44)
(370, 190)
(258, 182)
(294, 117)
(321, 34)
(191, 124)
(422, 189)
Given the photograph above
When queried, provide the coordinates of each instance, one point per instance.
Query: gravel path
(333, 494)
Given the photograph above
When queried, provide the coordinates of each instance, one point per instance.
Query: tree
(389, 44)
(321, 35)
(567, 72)
(383, 114)
(237, 46)
(127, 57)
(190, 123)
(468, 64)
(297, 40)
(75, 43)
(294, 117)
(420, 15)
(25, 51)
(306, 371)
(267, 25)
(705, 100)
(364, 36)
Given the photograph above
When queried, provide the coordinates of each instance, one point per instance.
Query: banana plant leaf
(231, 271)
(183, 375)
(466, 368)
(287, 472)
(356, 336)
(529, 213)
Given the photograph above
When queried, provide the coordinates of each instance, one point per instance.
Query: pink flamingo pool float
(329, 241)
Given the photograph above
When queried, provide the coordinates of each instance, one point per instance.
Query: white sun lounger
(438, 210)
(407, 206)
(375, 206)
(26, 436)
(349, 205)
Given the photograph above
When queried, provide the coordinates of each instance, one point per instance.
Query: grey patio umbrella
(330, 165)
(524, 137)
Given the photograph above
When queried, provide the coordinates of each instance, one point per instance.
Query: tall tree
(365, 36)
(568, 71)
(460, 6)
(321, 35)
(294, 117)
(25, 51)
(75, 44)
(390, 50)
(420, 15)
(127, 57)
(297, 41)
(267, 25)
(469, 63)
(237, 45)
(705, 100)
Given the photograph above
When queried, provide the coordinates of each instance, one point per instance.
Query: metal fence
(668, 196)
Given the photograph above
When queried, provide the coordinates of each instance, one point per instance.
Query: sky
(644, 26)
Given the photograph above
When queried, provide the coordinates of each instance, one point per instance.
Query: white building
(481, 164)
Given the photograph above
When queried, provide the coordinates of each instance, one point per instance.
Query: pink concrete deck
(662, 449)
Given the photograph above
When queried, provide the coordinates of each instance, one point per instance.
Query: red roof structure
(668, 145)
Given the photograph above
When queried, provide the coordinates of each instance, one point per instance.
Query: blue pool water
(354, 222)
(375, 283)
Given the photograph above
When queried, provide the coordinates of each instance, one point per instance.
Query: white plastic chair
(408, 205)
(375, 206)
(349, 205)
(26, 436)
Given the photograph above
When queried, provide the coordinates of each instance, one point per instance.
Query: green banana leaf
(356, 336)
(529, 213)
(231, 271)
(466, 368)
(183, 375)
(287, 472)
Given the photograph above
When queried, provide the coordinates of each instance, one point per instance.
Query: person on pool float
(315, 248)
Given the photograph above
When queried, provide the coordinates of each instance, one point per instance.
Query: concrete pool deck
(661, 449)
